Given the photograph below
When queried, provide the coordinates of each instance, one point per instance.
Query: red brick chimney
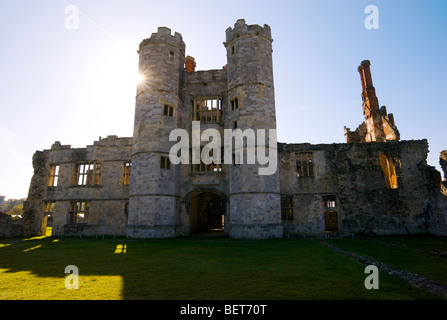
(370, 105)
(190, 64)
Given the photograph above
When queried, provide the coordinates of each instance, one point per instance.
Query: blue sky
(74, 85)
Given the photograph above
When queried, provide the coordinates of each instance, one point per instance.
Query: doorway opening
(331, 221)
(207, 213)
(47, 225)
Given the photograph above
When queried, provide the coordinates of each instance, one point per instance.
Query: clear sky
(72, 85)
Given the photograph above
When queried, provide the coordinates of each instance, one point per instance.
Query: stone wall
(352, 188)
(8, 227)
(443, 163)
(33, 214)
(107, 199)
(364, 204)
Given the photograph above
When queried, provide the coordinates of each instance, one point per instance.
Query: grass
(416, 254)
(194, 268)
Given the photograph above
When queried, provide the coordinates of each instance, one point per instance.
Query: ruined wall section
(107, 199)
(438, 224)
(364, 203)
(307, 192)
(443, 163)
(9, 228)
(33, 207)
(368, 206)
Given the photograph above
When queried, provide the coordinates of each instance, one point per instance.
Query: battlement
(163, 35)
(242, 29)
(113, 140)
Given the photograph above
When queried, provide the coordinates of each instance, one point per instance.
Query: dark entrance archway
(207, 211)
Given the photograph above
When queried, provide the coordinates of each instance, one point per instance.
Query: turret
(254, 197)
(153, 192)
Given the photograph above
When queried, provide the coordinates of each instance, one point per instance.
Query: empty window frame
(49, 206)
(329, 201)
(207, 110)
(79, 211)
(388, 164)
(286, 208)
(54, 175)
(126, 173)
(168, 110)
(165, 163)
(304, 164)
(212, 167)
(87, 174)
(234, 104)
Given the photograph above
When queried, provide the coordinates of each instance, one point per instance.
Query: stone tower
(153, 195)
(254, 198)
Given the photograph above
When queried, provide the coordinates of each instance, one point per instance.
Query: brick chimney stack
(190, 64)
(368, 92)
(370, 104)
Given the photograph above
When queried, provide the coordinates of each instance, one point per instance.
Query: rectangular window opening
(79, 211)
(126, 173)
(329, 201)
(304, 164)
(54, 175)
(212, 167)
(49, 206)
(234, 104)
(165, 163)
(207, 110)
(286, 208)
(168, 110)
(87, 174)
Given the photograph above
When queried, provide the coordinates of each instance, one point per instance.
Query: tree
(17, 210)
(7, 205)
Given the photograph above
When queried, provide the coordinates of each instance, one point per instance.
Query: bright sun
(139, 78)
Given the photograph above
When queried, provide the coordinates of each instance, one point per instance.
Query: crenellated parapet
(163, 35)
(242, 29)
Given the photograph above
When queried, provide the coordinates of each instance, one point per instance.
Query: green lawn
(194, 268)
(416, 254)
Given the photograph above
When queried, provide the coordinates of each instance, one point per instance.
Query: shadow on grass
(189, 268)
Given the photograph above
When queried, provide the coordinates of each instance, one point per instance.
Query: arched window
(388, 164)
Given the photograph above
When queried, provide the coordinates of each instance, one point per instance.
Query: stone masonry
(372, 184)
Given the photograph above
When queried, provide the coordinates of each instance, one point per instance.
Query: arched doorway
(206, 212)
